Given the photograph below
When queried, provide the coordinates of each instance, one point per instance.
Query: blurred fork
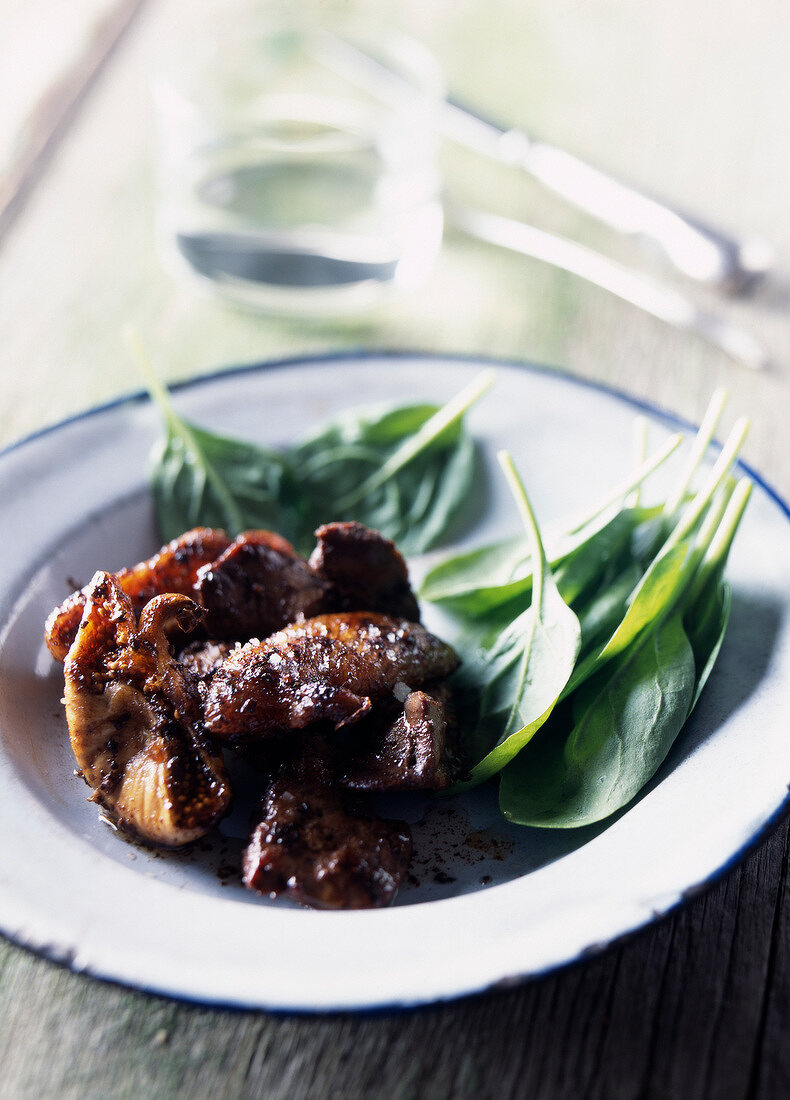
(663, 302)
(698, 250)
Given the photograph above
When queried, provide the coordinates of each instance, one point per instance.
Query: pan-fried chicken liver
(341, 644)
(330, 667)
(310, 845)
(364, 571)
(409, 751)
(258, 585)
(201, 659)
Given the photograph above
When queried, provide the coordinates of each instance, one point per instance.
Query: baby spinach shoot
(444, 423)
(203, 479)
(475, 581)
(531, 662)
(670, 571)
(405, 470)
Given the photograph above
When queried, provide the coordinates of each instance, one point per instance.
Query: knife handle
(694, 248)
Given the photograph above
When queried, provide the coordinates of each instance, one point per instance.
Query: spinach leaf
(623, 724)
(706, 624)
(202, 479)
(707, 610)
(531, 662)
(586, 565)
(476, 581)
(601, 611)
(406, 472)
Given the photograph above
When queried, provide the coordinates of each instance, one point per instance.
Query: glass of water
(297, 162)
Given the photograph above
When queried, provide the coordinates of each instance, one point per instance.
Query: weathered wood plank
(51, 55)
(770, 1066)
(673, 1012)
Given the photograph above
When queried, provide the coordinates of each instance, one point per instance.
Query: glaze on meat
(202, 658)
(258, 585)
(408, 752)
(332, 667)
(174, 568)
(310, 845)
(363, 571)
(335, 642)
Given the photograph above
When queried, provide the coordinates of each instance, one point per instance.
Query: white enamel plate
(486, 903)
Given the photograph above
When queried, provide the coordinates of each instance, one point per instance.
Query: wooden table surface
(689, 100)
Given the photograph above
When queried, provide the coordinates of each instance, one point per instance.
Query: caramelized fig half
(135, 719)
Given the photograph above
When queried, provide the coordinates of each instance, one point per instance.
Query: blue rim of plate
(507, 982)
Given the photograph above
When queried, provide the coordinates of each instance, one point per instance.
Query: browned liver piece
(407, 751)
(331, 667)
(258, 585)
(174, 568)
(309, 845)
(364, 571)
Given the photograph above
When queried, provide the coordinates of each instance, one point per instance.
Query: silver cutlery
(647, 294)
(698, 250)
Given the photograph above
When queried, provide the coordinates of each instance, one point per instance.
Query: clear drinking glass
(297, 162)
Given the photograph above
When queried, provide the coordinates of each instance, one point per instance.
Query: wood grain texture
(696, 1006)
(55, 59)
(691, 1008)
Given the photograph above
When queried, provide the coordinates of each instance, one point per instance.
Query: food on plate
(311, 843)
(584, 652)
(202, 659)
(256, 586)
(135, 720)
(257, 583)
(330, 668)
(363, 570)
(591, 656)
(278, 658)
(412, 749)
(174, 568)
